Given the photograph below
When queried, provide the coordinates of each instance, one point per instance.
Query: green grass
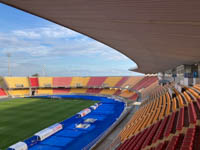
(21, 118)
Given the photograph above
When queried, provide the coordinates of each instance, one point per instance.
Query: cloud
(55, 40)
(52, 31)
(31, 47)
(27, 34)
(58, 32)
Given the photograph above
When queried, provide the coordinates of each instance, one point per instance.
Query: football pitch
(21, 118)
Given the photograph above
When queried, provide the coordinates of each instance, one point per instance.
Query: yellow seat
(17, 82)
(79, 81)
(45, 81)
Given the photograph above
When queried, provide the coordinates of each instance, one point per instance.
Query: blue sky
(35, 43)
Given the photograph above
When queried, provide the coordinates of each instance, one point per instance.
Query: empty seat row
(145, 82)
(164, 116)
(160, 131)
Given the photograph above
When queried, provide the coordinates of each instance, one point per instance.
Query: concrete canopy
(157, 34)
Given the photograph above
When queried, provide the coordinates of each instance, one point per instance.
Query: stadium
(159, 110)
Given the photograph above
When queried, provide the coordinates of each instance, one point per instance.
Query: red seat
(62, 81)
(34, 82)
(192, 114)
(160, 130)
(188, 139)
(169, 124)
(124, 79)
(142, 139)
(2, 92)
(94, 91)
(118, 92)
(148, 139)
(172, 144)
(96, 81)
(60, 91)
(180, 121)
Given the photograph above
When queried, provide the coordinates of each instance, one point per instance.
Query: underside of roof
(157, 34)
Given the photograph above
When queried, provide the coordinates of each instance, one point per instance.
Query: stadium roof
(157, 34)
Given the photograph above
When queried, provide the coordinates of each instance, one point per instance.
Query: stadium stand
(111, 81)
(146, 92)
(118, 92)
(79, 81)
(145, 82)
(2, 92)
(131, 81)
(122, 81)
(78, 90)
(165, 122)
(45, 81)
(33, 82)
(126, 93)
(63, 85)
(96, 81)
(19, 92)
(133, 97)
(61, 91)
(108, 91)
(45, 92)
(62, 81)
(17, 82)
(94, 90)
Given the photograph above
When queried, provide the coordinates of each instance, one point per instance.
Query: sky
(39, 46)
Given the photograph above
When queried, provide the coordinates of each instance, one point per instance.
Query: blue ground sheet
(72, 138)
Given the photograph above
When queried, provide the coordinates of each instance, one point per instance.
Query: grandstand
(45, 81)
(68, 86)
(160, 110)
(36, 86)
(62, 81)
(165, 122)
(131, 81)
(79, 81)
(17, 82)
(33, 82)
(96, 81)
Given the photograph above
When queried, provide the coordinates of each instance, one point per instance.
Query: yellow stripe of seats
(111, 81)
(44, 81)
(45, 91)
(13, 81)
(20, 93)
(78, 90)
(79, 81)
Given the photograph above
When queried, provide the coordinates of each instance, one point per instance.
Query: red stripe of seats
(62, 81)
(96, 81)
(34, 82)
(2, 92)
(124, 79)
(180, 121)
(61, 91)
(192, 114)
(93, 91)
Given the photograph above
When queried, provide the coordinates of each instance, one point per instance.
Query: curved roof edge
(157, 35)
